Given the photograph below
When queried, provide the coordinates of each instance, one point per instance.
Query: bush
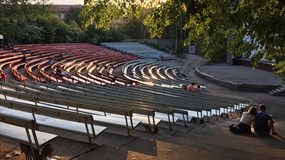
(96, 36)
(32, 33)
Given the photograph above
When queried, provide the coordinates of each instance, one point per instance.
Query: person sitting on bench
(191, 87)
(61, 72)
(64, 73)
(263, 123)
(11, 47)
(58, 70)
(52, 60)
(3, 76)
(24, 58)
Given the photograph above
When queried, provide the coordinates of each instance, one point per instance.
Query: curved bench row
(153, 73)
(100, 61)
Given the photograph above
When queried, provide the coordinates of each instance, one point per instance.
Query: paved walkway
(235, 74)
(239, 78)
(242, 74)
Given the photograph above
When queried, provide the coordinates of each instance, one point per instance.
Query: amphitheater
(114, 104)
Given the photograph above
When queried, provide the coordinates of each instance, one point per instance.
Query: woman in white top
(245, 122)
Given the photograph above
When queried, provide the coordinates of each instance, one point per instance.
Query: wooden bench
(130, 93)
(10, 57)
(14, 68)
(18, 75)
(78, 71)
(92, 73)
(29, 69)
(83, 72)
(106, 90)
(123, 100)
(64, 120)
(42, 67)
(4, 64)
(117, 94)
(129, 123)
(87, 108)
(99, 100)
(24, 130)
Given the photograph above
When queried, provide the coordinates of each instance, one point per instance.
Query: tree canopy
(25, 22)
(236, 26)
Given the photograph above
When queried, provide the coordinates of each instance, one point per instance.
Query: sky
(67, 1)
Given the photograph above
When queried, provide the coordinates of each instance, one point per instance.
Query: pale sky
(66, 1)
(81, 1)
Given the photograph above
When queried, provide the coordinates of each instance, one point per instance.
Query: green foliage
(245, 25)
(18, 21)
(73, 14)
(220, 26)
(96, 36)
(159, 47)
(134, 28)
(100, 12)
(23, 22)
(281, 71)
(208, 28)
(32, 33)
(48, 27)
(75, 32)
(61, 30)
(163, 16)
(10, 33)
(180, 49)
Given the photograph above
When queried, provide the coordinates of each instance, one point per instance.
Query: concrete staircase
(280, 91)
(211, 140)
(214, 140)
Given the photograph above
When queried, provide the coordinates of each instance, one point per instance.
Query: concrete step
(280, 91)
(282, 87)
(214, 137)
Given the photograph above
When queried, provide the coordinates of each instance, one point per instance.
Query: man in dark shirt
(263, 123)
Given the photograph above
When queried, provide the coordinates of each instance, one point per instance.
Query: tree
(75, 32)
(133, 26)
(24, 22)
(32, 34)
(132, 15)
(73, 14)
(219, 26)
(251, 25)
(105, 12)
(48, 27)
(19, 16)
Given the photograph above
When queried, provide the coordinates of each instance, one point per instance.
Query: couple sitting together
(260, 120)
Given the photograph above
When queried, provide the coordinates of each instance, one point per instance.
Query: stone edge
(235, 86)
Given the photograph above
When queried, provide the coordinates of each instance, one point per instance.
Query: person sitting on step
(263, 123)
(245, 123)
